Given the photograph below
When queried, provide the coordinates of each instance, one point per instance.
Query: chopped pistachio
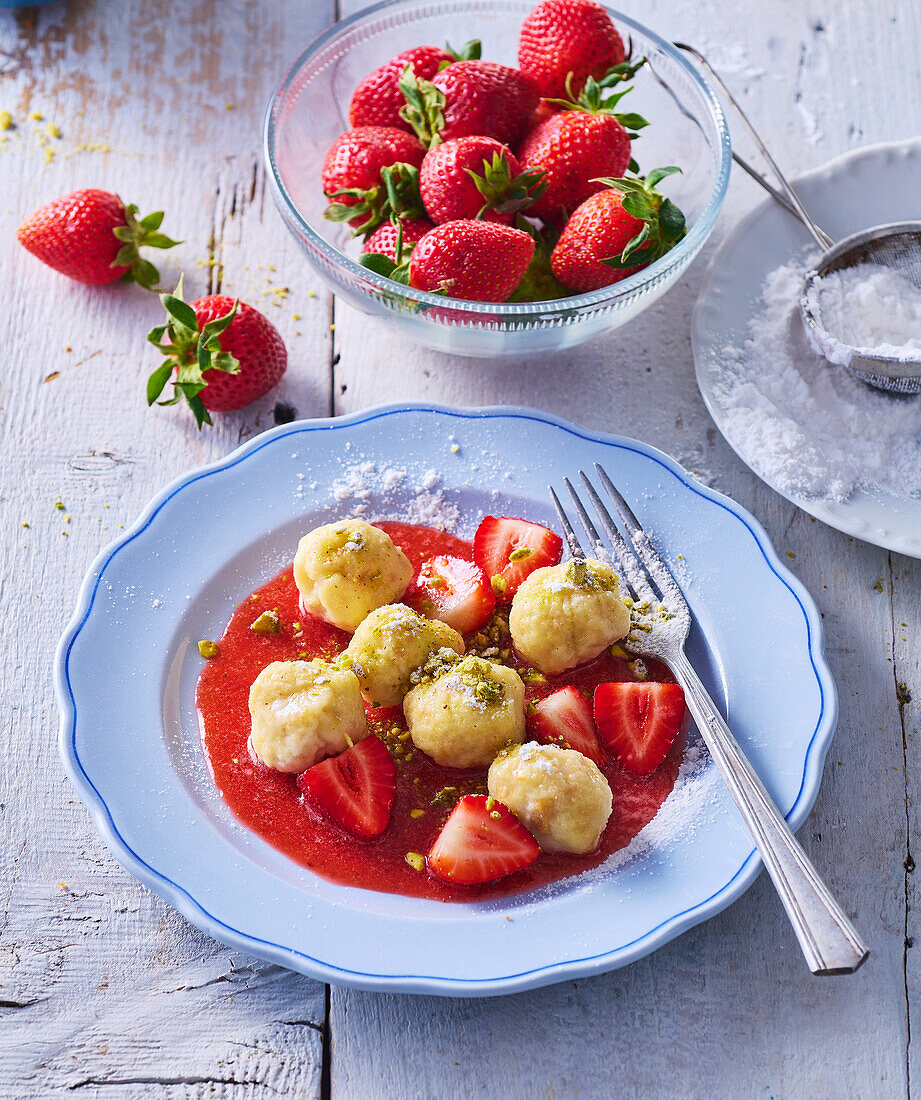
(416, 860)
(498, 585)
(53, 130)
(416, 814)
(454, 448)
(267, 623)
(208, 649)
(37, 116)
(521, 553)
(59, 504)
(532, 676)
(618, 650)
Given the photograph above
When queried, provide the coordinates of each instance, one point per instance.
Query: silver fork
(829, 941)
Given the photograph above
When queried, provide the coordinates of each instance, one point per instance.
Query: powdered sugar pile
(869, 307)
(808, 427)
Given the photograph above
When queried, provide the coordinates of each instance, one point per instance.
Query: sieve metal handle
(793, 201)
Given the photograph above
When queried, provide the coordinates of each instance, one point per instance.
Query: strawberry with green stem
(94, 238)
(224, 354)
(588, 137)
(377, 101)
(469, 98)
(475, 177)
(370, 173)
(617, 231)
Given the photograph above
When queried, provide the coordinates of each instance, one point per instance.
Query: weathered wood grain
(106, 991)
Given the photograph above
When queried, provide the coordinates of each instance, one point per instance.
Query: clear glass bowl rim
(557, 307)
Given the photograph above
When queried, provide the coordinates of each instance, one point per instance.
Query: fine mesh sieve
(896, 246)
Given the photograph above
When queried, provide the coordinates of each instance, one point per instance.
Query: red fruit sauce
(270, 803)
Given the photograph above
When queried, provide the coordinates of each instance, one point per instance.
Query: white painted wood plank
(105, 989)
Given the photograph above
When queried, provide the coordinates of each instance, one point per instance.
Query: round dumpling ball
(464, 715)
(304, 711)
(389, 645)
(558, 794)
(564, 615)
(345, 570)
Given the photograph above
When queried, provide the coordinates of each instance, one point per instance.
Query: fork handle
(829, 941)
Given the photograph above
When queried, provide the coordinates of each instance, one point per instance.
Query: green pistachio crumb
(498, 585)
(496, 815)
(416, 860)
(267, 623)
(490, 803)
(416, 814)
(618, 651)
(59, 504)
(208, 649)
(521, 553)
(532, 676)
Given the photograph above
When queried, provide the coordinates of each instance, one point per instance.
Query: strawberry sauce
(270, 803)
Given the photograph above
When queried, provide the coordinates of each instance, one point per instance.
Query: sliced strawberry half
(453, 590)
(482, 840)
(639, 722)
(508, 550)
(565, 718)
(355, 788)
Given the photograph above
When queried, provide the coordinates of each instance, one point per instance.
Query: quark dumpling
(304, 711)
(558, 794)
(564, 615)
(391, 643)
(344, 570)
(464, 715)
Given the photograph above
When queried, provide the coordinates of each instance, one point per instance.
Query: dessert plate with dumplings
(343, 699)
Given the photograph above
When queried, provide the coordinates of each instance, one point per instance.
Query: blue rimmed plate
(127, 665)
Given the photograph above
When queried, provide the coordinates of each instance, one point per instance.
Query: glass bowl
(309, 109)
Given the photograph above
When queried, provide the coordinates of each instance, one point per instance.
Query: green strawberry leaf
(398, 194)
(378, 263)
(470, 51)
(663, 222)
(190, 352)
(424, 108)
(134, 235)
(158, 380)
(503, 192)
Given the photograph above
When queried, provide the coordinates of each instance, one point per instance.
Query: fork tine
(630, 564)
(599, 548)
(655, 564)
(575, 547)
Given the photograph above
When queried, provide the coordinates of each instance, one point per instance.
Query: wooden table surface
(104, 989)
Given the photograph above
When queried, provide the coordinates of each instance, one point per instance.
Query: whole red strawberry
(91, 236)
(475, 177)
(224, 353)
(354, 170)
(470, 98)
(560, 37)
(383, 241)
(475, 260)
(585, 140)
(617, 232)
(377, 101)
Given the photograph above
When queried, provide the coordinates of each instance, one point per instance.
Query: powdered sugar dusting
(373, 491)
(807, 426)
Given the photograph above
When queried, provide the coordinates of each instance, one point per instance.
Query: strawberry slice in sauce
(453, 590)
(639, 722)
(565, 718)
(508, 550)
(482, 840)
(355, 788)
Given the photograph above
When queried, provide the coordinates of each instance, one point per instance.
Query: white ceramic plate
(127, 668)
(870, 186)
